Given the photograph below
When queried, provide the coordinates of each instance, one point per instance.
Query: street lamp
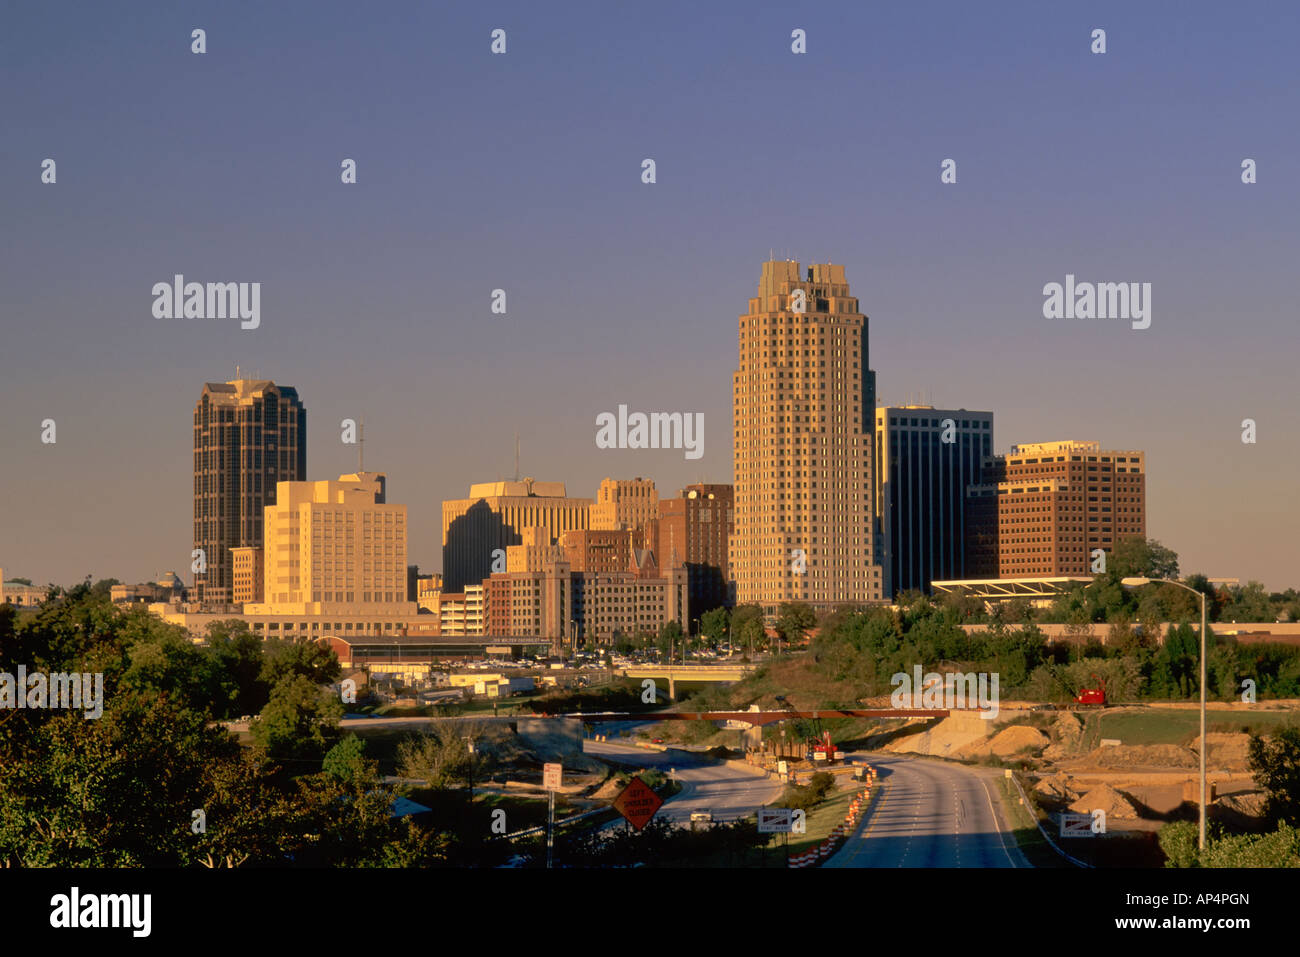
(1138, 583)
(469, 745)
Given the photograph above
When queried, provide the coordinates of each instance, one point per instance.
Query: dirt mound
(1247, 804)
(1068, 730)
(1006, 742)
(1067, 736)
(1017, 738)
(1141, 756)
(1056, 787)
(1226, 752)
(1105, 798)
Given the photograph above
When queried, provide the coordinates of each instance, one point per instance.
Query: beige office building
(494, 517)
(624, 503)
(803, 406)
(248, 573)
(334, 548)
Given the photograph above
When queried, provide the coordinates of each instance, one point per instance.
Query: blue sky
(522, 171)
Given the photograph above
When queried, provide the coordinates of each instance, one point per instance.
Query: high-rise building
(803, 406)
(249, 435)
(335, 547)
(926, 459)
(1042, 509)
(494, 517)
(693, 531)
(624, 503)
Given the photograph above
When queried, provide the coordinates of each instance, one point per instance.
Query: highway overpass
(725, 674)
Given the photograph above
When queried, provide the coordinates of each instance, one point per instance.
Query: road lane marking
(996, 823)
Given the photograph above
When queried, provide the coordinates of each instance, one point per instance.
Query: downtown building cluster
(837, 501)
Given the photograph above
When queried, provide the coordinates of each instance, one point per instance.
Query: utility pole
(550, 829)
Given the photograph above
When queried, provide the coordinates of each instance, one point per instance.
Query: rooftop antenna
(361, 446)
(516, 455)
(236, 372)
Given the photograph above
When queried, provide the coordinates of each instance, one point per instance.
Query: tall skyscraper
(1044, 508)
(803, 406)
(926, 459)
(249, 434)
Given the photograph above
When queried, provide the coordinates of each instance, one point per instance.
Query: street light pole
(1201, 833)
(1138, 582)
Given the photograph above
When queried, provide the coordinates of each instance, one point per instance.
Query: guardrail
(1029, 808)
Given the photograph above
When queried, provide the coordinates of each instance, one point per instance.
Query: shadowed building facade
(693, 531)
(493, 517)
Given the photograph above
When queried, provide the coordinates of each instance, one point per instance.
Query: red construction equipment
(823, 749)
(1092, 697)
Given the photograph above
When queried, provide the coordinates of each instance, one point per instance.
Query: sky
(522, 171)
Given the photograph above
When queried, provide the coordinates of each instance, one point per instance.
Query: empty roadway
(931, 814)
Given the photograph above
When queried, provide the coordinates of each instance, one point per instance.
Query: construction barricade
(841, 831)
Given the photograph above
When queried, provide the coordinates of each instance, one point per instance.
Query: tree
(440, 757)
(621, 643)
(795, 619)
(236, 653)
(669, 642)
(714, 625)
(298, 722)
(104, 587)
(1249, 603)
(346, 761)
(310, 659)
(747, 626)
(1136, 557)
(1275, 762)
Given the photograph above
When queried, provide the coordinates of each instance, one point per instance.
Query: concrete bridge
(672, 673)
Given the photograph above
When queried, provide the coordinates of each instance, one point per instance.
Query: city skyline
(376, 298)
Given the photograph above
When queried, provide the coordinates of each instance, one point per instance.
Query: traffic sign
(637, 803)
(775, 820)
(552, 776)
(1076, 825)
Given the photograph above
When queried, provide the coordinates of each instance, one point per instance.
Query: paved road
(931, 814)
(727, 791)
